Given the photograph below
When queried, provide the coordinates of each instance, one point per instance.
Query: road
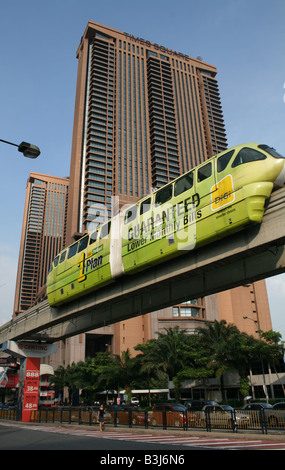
(21, 436)
(25, 437)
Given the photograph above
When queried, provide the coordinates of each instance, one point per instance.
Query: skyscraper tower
(43, 236)
(144, 114)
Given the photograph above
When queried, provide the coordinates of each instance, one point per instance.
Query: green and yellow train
(217, 198)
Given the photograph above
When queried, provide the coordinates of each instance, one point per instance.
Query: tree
(58, 379)
(126, 371)
(66, 377)
(196, 366)
(118, 373)
(148, 368)
(90, 371)
(169, 352)
(72, 382)
(224, 343)
(106, 374)
(270, 348)
(178, 356)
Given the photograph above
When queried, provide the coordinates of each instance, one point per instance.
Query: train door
(224, 198)
(185, 201)
(130, 237)
(102, 262)
(163, 234)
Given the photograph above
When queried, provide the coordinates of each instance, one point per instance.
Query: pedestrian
(101, 417)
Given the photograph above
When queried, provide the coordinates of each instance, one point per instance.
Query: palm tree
(169, 353)
(223, 342)
(119, 372)
(65, 378)
(106, 371)
(125, 371)
(274, 339)
(270, 348)
(148, 368)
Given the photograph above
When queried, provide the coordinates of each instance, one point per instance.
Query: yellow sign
(81, 266)
(222, 193)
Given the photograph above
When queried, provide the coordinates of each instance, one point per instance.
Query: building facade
(43, 236)
(144, 114)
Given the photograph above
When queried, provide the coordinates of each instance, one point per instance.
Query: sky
(244, 39)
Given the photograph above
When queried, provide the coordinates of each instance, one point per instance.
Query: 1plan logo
(222, 194)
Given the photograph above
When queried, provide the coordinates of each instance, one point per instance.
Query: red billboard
(31, 387)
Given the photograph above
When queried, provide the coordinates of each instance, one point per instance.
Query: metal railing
(263, 420)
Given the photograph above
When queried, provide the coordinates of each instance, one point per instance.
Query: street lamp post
(28, 150)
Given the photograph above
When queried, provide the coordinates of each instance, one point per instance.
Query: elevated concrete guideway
(252, 254)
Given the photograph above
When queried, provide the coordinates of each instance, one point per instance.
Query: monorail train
(219, 197)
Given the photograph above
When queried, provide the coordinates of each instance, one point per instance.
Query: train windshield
(271, 151)
(247, 155)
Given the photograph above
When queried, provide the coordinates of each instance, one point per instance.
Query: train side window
(93, 237)
(55, 261)
(163, 195)
(183, 184)
(72, 250)
(145, 206)
(223, 160)
(105, 230)
(131, 214)
(204, 172)
(83, 243)
(62, 257)
(247, 155)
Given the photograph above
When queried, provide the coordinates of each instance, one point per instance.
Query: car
(223, 416)
(141, 417)
(8, 406)
(271, 417)
(174, 414)
(279, 406)
(277, 416)
(257, 406)
(123, 414)
(134, 401)
(241, 419)
(198, 405)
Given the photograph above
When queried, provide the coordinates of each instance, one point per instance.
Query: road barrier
(263, 420)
